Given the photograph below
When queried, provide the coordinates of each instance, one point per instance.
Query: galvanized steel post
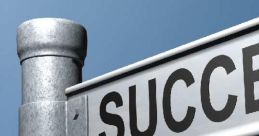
(51, 52)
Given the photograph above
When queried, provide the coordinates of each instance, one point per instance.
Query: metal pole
(51, 52)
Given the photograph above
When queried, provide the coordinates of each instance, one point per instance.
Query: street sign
(209, 86)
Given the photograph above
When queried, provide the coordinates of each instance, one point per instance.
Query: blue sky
(120, 32)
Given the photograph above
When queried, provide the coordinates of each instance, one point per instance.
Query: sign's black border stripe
(162, 61)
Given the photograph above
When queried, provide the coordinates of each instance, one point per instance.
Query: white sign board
(209, 89)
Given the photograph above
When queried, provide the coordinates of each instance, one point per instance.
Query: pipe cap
(51, 37)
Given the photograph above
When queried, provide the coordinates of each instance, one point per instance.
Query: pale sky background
(120, 32)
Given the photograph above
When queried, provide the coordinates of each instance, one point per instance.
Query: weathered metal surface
(77, 120)
(46, 118)
(51, 37)
(45, 78)
(51, 52)
(209, 86)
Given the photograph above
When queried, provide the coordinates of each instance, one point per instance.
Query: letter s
(112, 119)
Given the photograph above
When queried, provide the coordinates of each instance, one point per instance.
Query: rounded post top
(51, 37)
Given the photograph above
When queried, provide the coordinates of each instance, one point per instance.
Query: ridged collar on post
(51, 37)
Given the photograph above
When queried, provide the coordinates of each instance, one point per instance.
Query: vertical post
(51, 52)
